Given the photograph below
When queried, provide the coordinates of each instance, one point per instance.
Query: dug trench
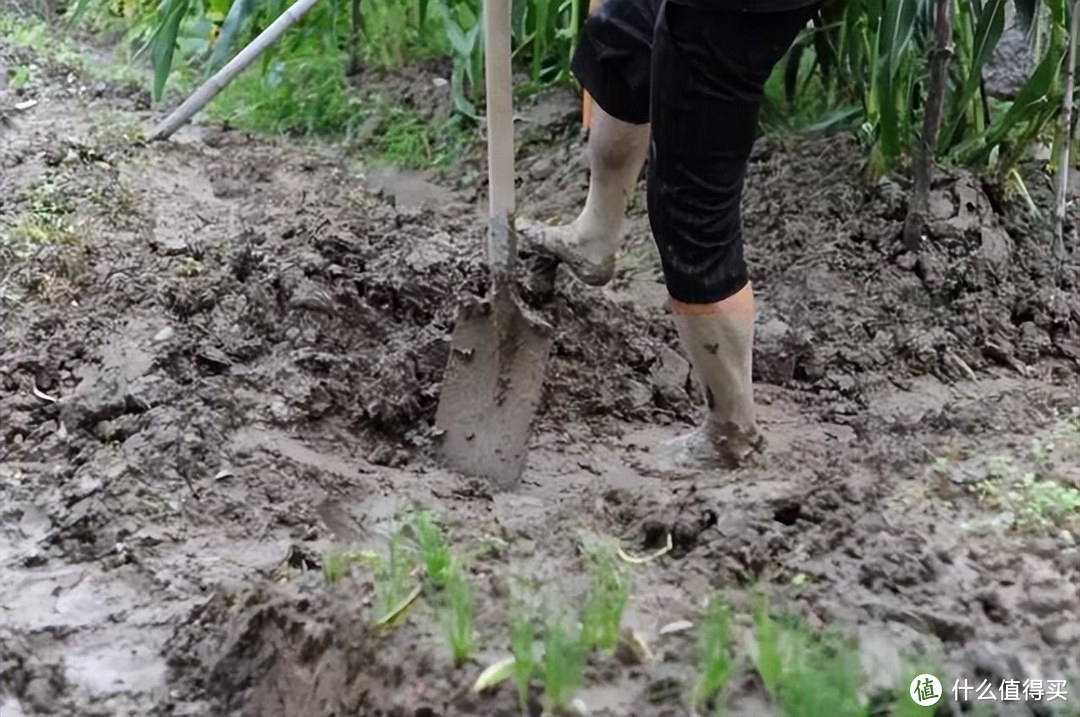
(221, 359)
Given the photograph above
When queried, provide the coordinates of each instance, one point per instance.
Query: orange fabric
(741, 303)
(586, 100)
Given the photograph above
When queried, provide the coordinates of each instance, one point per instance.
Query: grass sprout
(807, 674)
(434, 549)
(563, 665)
(459, 616)
(609, 592)
(716, 662)
(522, 639)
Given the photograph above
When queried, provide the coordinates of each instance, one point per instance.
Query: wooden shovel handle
(500, 107)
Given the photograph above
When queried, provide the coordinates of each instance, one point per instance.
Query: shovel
(499, 350)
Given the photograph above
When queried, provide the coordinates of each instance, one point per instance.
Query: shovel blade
(491, 389)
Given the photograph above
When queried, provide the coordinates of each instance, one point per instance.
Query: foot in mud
(704, 449)
(589, 256)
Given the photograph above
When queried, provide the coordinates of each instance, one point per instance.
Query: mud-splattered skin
(244, 334)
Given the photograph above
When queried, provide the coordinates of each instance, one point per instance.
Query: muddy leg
(719, 339)
(587, 245)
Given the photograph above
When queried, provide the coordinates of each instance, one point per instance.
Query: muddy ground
(221, 358)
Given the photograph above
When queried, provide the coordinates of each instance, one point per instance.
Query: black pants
(698, 76)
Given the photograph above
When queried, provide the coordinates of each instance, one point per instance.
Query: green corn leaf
(791, 69)
(540, 42)
(240, 11)
(990, 25)
(1030, 103)
(163, 42)
(894, 43)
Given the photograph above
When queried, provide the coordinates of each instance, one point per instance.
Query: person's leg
(588, 244)
(612, 62)
(709, 71)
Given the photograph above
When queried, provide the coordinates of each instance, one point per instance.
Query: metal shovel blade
(491, 388)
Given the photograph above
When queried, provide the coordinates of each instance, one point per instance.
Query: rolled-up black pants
(698, 75)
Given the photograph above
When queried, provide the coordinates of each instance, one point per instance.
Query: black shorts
(698, 76)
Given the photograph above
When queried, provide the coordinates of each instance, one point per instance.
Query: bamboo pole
(207, 91)
(1066, 139)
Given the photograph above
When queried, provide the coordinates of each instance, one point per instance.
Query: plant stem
(1066, 139)
(922, 171)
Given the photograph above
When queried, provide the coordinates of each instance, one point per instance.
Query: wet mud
(221, 358)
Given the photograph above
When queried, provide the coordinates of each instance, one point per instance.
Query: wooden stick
(1066, 140)
(922, 171)
(586, 99)
(209, 89)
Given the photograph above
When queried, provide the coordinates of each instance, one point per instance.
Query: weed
(715, 660)
(19, 77)
(807, 674)
(609, 591)
(40, 251)
(44, 41)
(459, 616)
(301, 93)
(404, 139)
(1036, 502)
(564, 664)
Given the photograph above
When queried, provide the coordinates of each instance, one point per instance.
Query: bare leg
(587, 246)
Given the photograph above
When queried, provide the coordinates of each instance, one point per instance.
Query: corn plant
(609, 592)
(864, 64)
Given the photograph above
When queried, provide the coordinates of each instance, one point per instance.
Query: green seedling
(336, 563)
(563, 666)
(715, 660)
(459, 616)
(434, 550)
(609, 592)
(393, 575)
(522, 639)
(807, 674)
